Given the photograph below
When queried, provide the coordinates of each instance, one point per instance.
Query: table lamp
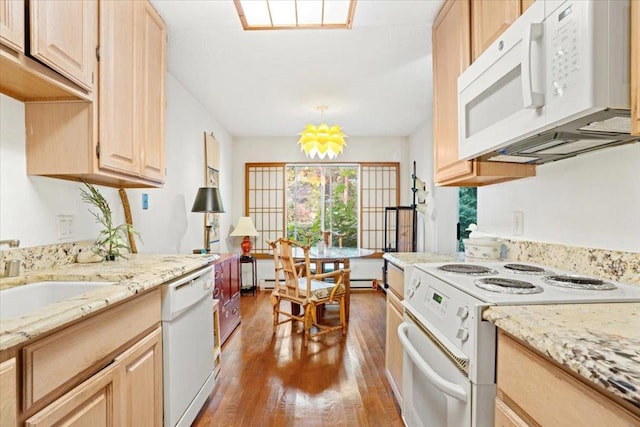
(207, 200)
(245, 228)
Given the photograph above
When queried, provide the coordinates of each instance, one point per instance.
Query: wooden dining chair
(294, 282)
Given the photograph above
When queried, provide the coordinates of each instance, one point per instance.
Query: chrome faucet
(13, 243)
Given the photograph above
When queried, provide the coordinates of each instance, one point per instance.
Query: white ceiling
(375, 78)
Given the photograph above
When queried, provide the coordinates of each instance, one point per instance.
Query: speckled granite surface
(600, 342)
(137, 273)
(36, 257)
(603, 263)
(405, 259)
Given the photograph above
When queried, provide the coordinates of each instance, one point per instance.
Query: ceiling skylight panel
(336, 11)
(295, 14)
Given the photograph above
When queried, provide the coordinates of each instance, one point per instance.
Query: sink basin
(27, 298)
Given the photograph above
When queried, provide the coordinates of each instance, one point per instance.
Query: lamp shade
(208, 200)
(244, 227)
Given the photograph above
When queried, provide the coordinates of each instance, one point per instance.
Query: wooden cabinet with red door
(227, 290)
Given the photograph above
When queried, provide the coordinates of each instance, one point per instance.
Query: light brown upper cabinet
(489, 20)
(451, 56)
(635, 67)
(12, 24)
(63, 36)
(118, 141)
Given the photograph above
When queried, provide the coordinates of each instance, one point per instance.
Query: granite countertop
(599, 342)
(405, 259)
(136, 274)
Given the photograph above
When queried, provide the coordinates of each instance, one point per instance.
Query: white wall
(29, 205)
(436, 229)
(169, 226)
(592, 200)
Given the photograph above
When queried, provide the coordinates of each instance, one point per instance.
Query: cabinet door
(234, 276)
(119, 146)
(218, 287)
(451, 51)
(524, 5)
(92, 403)
(489, 20)
(8, 394)
(505, 417)
(141, 374)
(151, 39)
(393, 349)
(12, 24)
(451, 56)
(635, 67)
(63, 36)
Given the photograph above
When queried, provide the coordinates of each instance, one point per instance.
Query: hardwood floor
(272, 380)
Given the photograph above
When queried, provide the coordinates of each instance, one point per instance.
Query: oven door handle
(447, 387)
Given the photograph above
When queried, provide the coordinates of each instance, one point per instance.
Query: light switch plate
(66, 229)
(518, 223)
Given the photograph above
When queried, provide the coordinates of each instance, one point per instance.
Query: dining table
(336, 258)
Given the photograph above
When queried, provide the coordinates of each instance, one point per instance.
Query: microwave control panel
(565, 60)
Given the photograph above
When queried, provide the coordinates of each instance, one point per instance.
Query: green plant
(112, 240)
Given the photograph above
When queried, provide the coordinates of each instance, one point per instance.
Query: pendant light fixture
(322, 140)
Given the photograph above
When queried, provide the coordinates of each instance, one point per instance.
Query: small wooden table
(337, 257)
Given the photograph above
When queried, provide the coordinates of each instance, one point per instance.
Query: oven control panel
(437, 300)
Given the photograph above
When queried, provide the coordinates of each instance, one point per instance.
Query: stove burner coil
(525, 269)
(507, 286)
(579, 282)
(467, 269)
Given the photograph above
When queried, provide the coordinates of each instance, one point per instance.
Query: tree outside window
(322, 198)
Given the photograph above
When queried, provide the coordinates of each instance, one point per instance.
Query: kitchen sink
(24, 299)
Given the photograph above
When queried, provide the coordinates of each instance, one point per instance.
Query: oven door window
(442, 396)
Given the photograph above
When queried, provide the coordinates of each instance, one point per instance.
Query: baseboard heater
(355, 283)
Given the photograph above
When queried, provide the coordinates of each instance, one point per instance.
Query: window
(302, 199)
(467, 212)
(322, 198)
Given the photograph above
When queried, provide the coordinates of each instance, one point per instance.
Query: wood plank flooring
(269, 380)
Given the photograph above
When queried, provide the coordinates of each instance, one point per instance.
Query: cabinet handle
(234, 311)
(216, 292)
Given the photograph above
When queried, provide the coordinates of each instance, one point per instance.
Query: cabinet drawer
(64, 357)
(229, 317)
(549, 395)
(395, 279)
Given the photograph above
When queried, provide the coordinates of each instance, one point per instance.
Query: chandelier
(322, 140)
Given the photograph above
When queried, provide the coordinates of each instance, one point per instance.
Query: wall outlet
(66, 229)
(145, 201)
(518, 223)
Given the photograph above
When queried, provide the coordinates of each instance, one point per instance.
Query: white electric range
(449, 351)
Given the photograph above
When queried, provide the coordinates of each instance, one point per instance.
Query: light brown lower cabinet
(92, 403)
(532, 390)
(128, 392)
(8, 393)
(140, 374)
(104, 370)
(393, 348)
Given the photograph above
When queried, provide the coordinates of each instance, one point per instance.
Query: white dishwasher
(187, 345)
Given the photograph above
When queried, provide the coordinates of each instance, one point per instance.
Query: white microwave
(554, 85)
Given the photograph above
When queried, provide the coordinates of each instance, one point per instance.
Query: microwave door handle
(530, 98)
(447, 387)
